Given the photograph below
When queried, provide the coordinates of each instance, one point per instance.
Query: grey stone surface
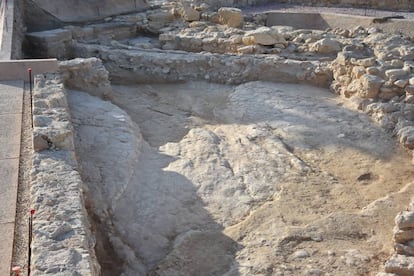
(11, 97)
(6, 245)
(71, 11)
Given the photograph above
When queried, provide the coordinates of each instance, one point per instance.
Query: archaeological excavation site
(207, 138)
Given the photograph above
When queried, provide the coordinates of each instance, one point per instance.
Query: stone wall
(62, 242)
(152, 66)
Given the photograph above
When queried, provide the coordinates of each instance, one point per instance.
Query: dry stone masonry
(62, 242)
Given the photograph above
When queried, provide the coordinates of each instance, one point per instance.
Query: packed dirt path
(11, 104)
(255, 179)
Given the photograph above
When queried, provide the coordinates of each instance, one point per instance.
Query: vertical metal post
(29, 254)
(31, 94)
(30, 241)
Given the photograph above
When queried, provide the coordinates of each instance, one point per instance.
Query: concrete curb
(17, 69)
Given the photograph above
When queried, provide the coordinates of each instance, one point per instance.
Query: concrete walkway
(11, 101)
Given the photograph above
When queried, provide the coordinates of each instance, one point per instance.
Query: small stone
(40, 142)
(409, 99)
(405, 249)
(61, 231)
(314, 272)
(370, 86)
(366, 62)
(301, 254)
(358, 71)
(396, 63)
(406, 138)
(373, 70)
(405, 219)
(365, 176)
(395, 73)
(409, 89)
(401, 83)
(189, 14)
(355, 257)
(400, 265)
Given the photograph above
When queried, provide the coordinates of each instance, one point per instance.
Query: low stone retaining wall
(154, 66)
(62, 243)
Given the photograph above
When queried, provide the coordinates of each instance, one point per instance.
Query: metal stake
(31, 94)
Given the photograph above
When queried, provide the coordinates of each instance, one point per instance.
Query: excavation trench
(260, 178)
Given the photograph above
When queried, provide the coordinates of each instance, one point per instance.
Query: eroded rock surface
(264, 177)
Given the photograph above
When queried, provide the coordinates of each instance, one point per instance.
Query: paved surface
(6, 27)
(11, 100)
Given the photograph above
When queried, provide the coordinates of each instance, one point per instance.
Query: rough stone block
(326, 46)
(401, 236)
(405, 219)
(370, 86)
(400, 265)
(231, 17)
(265, 36)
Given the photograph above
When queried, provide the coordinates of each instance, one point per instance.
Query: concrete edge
(18, 69)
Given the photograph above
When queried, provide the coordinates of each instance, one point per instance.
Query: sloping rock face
(75, 11)
(205, 179)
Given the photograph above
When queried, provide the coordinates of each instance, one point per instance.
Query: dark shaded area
(37, 19)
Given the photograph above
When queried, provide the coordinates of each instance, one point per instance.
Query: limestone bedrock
(207, 179)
